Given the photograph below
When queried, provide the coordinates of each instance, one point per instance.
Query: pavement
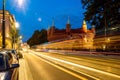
(24, 71)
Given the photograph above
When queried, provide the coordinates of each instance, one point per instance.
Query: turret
(49, 31)
(68, 26)
(93, 29)
(52, 28)
(84, 26)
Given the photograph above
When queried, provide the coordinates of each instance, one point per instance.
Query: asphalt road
(51, 66)
(42, 70)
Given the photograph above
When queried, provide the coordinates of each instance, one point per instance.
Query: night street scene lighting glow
(59, 40)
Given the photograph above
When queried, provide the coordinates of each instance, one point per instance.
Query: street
(59, 40)
(52, 66)
(41, 70)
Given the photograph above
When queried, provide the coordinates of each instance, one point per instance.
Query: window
(2, 63)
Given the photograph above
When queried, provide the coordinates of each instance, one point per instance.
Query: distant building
(81, 37)
(9, 26)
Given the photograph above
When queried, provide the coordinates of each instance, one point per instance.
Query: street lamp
(3, 26)
(17, 25)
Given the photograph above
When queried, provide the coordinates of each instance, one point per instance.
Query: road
(52, 66)
(42, 70)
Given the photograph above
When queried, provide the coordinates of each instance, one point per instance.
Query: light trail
(68, 71)
(77, 65)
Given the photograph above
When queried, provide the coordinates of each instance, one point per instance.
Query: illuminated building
(81, 38)
(9, 26)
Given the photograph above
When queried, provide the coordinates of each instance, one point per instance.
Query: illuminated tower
(68, 26)
(52, 28)
(49, 31)
(93, 29)
(84, 26)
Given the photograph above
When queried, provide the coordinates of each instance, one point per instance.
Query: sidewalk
(24, 71)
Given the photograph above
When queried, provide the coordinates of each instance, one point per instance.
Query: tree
(14, 35)
(38, 37)
(102, 12)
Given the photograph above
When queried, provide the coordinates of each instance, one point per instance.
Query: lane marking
(81, 66)
(67, 71)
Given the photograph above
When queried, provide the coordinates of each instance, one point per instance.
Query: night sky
(38, 14)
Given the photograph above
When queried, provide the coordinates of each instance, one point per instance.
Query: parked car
(8, 67)
(14, 53)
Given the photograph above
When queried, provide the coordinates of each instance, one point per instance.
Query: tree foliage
(38, 37)
(102, 12)
(14, 35)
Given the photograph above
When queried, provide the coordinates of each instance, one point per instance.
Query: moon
(39, 19)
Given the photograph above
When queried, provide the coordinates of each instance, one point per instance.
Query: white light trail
(77, 65)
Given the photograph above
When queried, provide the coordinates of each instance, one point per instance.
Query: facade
(9, 26)
(80, 38)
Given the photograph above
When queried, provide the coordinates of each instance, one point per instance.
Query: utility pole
(3, 26)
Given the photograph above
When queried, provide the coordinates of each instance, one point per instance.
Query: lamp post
(3, 26)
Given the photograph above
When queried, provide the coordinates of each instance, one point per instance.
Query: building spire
(93, 29)
(93, 26)
(84, 26)
(68, 22)
(48, 27)
(84, 22)
(53, 22)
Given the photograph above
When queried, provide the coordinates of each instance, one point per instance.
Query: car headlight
(2, 75)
